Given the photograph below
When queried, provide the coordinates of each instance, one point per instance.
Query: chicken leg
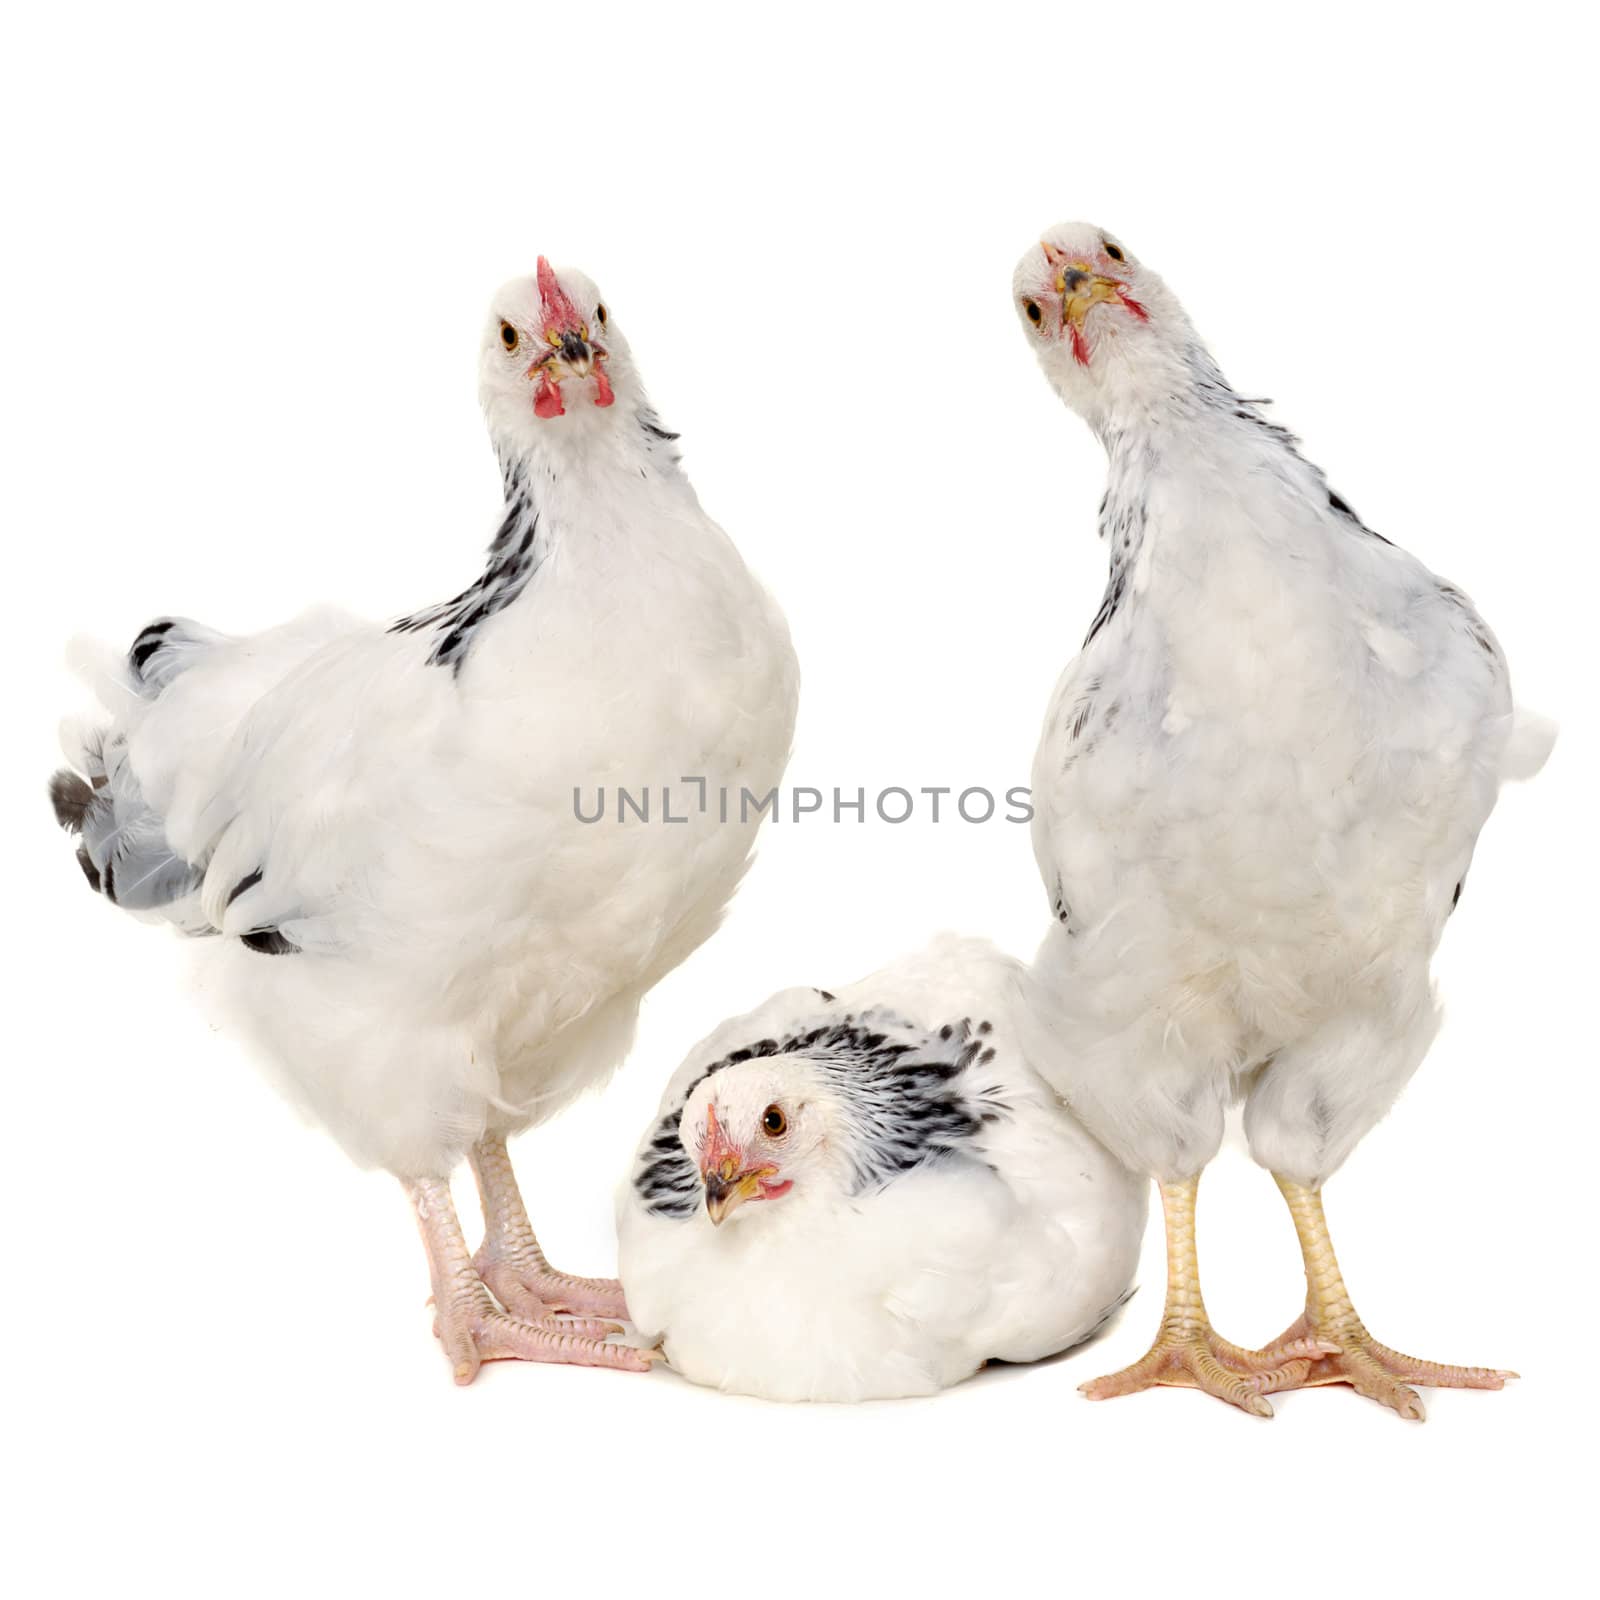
(510, 1261)
(1187, 1353)
(1368, 1367)
(472, 1326)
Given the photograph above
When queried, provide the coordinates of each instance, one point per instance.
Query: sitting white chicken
(378, 827)
(1257, 794)
(870, 1194)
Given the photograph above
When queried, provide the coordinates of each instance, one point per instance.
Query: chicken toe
(1355, 1357)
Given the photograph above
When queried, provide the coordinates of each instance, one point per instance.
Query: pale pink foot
(473, 1329)
(510, 1260)
(472, 1326)
(1189, 1354)
(532, 1288)
(1382, 1374)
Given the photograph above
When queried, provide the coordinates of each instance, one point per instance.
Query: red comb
(560, 315)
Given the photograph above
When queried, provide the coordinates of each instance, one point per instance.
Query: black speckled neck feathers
(517, 551)
(905, 1087)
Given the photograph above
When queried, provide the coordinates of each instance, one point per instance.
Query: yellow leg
(1368, 1367)
(1187, 1353)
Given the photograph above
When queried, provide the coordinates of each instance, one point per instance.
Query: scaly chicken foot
(474, 1329)
(1187, 1353)
(1370, 1368)
(510, 1261)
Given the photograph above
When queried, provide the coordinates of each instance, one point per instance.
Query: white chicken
(375, 830)
(869, 1194)
(1257, 794)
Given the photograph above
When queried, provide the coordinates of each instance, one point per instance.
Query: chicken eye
(1035, 315)
(773, 1122)
(600, 315)
(1113, 250)
(508, 336)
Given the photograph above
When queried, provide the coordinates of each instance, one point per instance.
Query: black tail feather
(90, 871)
(164, 648)
(147, 643)
(70, 798)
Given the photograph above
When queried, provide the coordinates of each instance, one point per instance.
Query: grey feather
(125, 842)
(125, 853)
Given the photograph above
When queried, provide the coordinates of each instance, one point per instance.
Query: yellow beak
(727, 1190)
(1080, 289)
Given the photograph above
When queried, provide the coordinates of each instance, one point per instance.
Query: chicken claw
(472, 1326)
(1187, 1354)
(473, 1329)
(1356, 1358)
(510, 1260)
(1192, 1356)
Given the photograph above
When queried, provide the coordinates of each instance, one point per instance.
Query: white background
(248, 255)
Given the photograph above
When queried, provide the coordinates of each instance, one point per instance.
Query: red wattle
(1134, 306)
(547, 401)
(602, 388)
(1080, 348)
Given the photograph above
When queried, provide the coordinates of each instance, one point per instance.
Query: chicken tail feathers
(1532, 739)
(164, 648)
(70, 799)
(123, 849)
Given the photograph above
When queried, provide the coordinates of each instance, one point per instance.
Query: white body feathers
(1259, 785)
(1016, 1243)
(466, 953)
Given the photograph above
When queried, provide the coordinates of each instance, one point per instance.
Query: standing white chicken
(1257, 794)
(869, 1194)
(379, 826)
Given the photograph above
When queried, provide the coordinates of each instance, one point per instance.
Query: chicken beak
(728, 1181)
(576, 355)
(1080, 290)
(567, 354)
(722, 1197)
(727, 1188)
